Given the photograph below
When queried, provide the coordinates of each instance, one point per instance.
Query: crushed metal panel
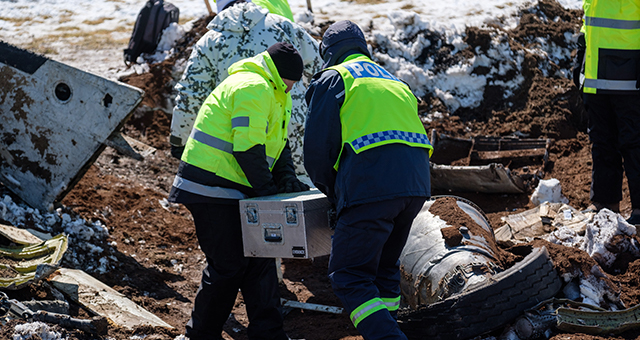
(54, 120)
(447, 149)
(311, 306)
(492, 178)
(129, 147)
(485, 150)
(22, 265)
(509, 151)
(598, 322)
(103, 300)
(18, 235)
(481, 164)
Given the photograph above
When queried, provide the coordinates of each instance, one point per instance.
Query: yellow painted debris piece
(20, 266)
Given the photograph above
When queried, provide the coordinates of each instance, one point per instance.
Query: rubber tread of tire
(462, 320)
(457, 317)
(485, 308)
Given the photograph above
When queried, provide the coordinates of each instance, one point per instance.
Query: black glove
(291, 184)
(176, 151)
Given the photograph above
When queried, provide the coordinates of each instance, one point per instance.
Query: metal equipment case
(292, 225)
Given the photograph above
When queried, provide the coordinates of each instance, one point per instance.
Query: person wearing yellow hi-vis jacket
(279, 7)
(367, 150)
(238, 149)
(610, 81)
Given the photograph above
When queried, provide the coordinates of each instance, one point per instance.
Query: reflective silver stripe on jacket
(219, 144)
(612, 23)
(239, 122)
(211, 141)
(205, 190)
(604, 84)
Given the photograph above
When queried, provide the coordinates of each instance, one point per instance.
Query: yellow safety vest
(248, 108)
(280, 7)
(378, 108)
(612, 36)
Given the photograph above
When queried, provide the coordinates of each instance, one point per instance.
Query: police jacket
(239, 32)
(612, 36)
(349, 178)
(238, 145)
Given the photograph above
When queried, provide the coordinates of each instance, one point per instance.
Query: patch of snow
(38, 329)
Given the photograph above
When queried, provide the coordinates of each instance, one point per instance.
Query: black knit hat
(287, 60)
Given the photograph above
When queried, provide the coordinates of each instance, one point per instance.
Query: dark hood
(341, 40)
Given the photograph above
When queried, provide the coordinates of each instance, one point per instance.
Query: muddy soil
(155, 242)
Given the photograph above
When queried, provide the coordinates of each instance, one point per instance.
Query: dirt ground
(155, 242)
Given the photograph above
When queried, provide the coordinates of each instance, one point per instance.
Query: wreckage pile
(123, 232)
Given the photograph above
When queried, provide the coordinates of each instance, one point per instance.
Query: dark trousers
(614, 131)
(220, 237)
(364, 265)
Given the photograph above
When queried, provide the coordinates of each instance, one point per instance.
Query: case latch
(251, 211)
(291, 214)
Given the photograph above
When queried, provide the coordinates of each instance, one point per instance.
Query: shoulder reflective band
(411, 137)
(205, 190)
(211, 141)
(218, 143)
(392, 304)
(239, 122)
(612, 23)
(363, 69)
(603, 84)
(366, 309)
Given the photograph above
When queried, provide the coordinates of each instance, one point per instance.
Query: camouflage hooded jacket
(242, 31)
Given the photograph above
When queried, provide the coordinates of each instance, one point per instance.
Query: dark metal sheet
(54, 120)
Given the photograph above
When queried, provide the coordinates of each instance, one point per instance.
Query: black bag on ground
(155, 16)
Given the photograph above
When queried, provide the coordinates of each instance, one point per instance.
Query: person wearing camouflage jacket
(241, 31)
